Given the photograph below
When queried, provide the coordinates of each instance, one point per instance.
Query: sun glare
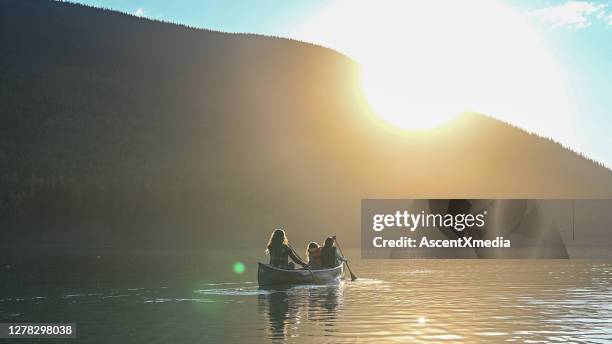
(414, 104)
(425, 62)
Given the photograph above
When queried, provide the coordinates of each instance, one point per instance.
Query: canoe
(270, 275)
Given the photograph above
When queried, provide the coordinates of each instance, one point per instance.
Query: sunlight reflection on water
(403, 300)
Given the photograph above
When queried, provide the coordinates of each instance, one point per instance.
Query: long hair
(277, 238)
(311, 245)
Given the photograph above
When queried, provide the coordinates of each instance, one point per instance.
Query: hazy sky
(543, 65)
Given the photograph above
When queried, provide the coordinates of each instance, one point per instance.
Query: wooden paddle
(315, 279)
(353, 277)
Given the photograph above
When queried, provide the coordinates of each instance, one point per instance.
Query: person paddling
(279, 250)
(330, 257)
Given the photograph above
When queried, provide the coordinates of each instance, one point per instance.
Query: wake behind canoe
(270, 275)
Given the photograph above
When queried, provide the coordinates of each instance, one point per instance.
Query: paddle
(315, 279)
(353, 277)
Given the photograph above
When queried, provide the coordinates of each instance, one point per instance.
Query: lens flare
(239, 268)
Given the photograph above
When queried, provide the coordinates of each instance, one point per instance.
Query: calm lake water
(392, 301)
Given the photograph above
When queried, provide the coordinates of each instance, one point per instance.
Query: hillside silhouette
(118, 131)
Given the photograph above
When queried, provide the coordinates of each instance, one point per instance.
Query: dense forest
(119, 131)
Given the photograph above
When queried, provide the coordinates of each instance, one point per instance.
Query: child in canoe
(313, 255)
(279, 250)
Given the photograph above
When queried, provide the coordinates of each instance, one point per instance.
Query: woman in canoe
(279, 250)
(330, 257)
(313, 255)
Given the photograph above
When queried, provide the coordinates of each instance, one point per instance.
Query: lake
(391, 301)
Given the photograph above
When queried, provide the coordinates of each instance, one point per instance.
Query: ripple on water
(423, 301)
(250, 291)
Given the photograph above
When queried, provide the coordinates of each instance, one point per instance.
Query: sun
(423, 63)
(409, 101)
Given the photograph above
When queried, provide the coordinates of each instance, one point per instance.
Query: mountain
(119, 131)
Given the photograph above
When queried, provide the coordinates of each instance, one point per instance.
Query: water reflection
(290, 307)
(406, 301)
(278, 311)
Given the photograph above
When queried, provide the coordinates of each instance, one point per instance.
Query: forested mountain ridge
(122, 131)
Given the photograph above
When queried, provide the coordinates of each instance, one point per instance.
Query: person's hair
(277, 238)
(329, 242)
(311, 245)
(328, 253)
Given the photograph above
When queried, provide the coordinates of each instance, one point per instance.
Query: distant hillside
(121, 131)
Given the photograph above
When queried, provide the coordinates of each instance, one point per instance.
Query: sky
(543, 65)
